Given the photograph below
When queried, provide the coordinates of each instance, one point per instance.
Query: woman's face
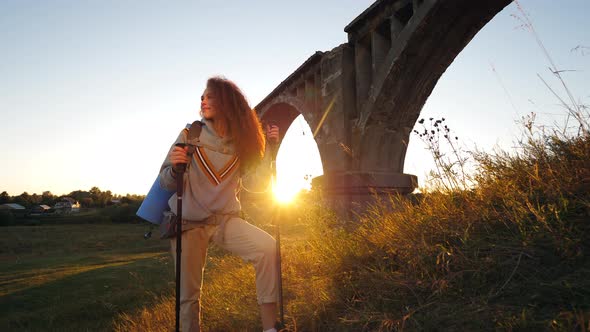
(208, 105)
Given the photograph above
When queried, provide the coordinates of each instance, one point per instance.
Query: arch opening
(298, 159)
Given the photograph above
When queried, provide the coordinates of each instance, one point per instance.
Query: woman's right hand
(179, 156)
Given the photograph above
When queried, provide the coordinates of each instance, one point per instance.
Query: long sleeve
(167, 176)
(259, 178)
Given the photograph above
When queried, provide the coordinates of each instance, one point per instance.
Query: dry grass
(510, 253)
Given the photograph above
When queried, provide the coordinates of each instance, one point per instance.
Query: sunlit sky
(92, 93)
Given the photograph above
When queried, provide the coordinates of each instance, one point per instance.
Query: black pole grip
(179, 168)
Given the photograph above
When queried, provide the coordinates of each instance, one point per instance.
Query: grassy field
(509, 254)
(77, 272)
(65, 274)
(78, 277)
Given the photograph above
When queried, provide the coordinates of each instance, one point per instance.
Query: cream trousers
(240, 238)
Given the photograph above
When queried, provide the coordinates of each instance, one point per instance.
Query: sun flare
(284, 194)
(298, 161)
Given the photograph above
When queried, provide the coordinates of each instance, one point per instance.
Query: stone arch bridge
(362, 98)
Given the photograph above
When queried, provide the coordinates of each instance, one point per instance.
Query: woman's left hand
(272, 133)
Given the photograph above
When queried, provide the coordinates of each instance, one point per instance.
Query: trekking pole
(180, 168)
(274, 150)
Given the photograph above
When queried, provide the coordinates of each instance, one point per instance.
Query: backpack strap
(195, 130)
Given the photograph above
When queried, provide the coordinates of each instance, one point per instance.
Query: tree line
(91, 198)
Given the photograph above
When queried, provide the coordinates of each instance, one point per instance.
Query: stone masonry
(362, 98)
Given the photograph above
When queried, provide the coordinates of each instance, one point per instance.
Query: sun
(298, 161)
(287, 187)
(284, 194)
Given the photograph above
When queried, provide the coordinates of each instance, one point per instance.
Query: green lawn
(78, 277)
(78, 273)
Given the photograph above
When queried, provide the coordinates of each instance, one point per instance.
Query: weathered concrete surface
(363, 97)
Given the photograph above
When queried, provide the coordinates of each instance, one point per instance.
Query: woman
(231, 146)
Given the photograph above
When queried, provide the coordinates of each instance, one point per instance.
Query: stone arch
(377, 83)
(283, 111)
(399, 60)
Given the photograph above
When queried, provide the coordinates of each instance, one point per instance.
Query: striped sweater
(213, 176)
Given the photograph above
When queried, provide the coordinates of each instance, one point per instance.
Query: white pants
(241, 238)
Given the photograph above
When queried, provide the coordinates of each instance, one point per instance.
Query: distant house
(12, 206)
(16, 210)
(67, 205)
(42, 209)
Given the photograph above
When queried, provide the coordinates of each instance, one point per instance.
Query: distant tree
(23, 199)
(105, 198)
(86, 202)
(92, 198)
(35, 199)
(98, 197)
(129, 198)
(5, 198)
(79, 195)
(94, 192)
(48, 198)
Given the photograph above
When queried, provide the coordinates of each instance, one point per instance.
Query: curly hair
(238, 121)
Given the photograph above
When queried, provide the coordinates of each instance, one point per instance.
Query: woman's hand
(272, 134)
(179, 156)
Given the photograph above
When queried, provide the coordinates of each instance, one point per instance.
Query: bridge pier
(349, 193)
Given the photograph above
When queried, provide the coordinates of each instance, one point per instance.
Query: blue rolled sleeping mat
(155, 203)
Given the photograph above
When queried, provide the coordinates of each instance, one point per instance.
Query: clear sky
(92, 93)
